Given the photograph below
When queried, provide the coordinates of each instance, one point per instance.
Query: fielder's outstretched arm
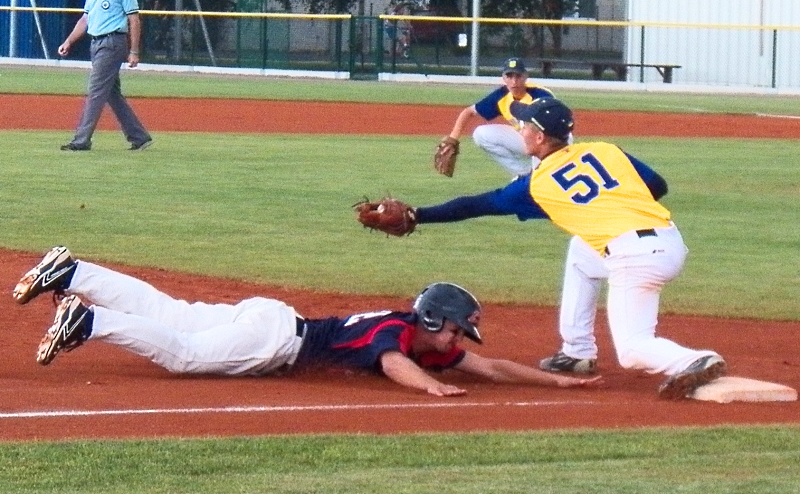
(515, 198)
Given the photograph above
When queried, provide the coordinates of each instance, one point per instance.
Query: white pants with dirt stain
(253, 337)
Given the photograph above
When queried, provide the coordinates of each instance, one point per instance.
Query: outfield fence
(368, 47)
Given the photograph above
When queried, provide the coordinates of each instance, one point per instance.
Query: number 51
(566, 183)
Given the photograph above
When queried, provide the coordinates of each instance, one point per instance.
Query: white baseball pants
(505, 145)
(636, 269)
(254, 337)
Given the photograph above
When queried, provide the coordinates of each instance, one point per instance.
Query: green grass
(276, 209)
(15, 79)
(707, 461)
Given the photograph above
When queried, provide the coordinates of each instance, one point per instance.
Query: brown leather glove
(444, 160)
(388, 215)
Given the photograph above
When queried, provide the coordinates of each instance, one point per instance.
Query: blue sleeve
(487, 107)
(653, 181)
(537, 92)
(511, 199)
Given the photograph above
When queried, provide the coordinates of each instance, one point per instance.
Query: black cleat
(75, 147)
(141, 146)
(702, 371)
(561, 362)
(53, 273)
(71, 327)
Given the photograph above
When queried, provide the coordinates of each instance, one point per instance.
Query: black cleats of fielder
(52, 274)
(71, 327)
(702, 371)
(560, 362)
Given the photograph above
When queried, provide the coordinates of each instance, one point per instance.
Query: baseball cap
(549, 115)
(514, 66)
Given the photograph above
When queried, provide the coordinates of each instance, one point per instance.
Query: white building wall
(599, 39)
(714, 55)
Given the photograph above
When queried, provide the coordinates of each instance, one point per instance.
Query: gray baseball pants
(108, 53)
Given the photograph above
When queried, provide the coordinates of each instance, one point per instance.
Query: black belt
(647, 232)
(112, 33)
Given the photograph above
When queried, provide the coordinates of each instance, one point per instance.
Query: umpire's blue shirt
(107, 16)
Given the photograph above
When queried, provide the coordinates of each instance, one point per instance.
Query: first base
(728, 388)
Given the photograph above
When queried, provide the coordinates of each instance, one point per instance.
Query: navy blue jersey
(360, 339)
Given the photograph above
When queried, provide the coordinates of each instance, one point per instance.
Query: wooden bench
(600, 66)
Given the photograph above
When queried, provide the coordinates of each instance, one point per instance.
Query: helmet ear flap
(431, 322)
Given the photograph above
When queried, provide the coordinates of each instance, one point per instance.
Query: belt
(647, 232)
(301, 328)
(112, 33)
(300, 332)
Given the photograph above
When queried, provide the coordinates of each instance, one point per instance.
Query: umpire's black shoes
(140, 146)
(561, 362)
(75, 147)
(52, 274)
(702, 371)
(71, 328)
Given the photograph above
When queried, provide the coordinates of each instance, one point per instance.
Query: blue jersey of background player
(502, 141)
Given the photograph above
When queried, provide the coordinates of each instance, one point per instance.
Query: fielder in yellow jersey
(592, 190)
(608, 200)
(502, 141)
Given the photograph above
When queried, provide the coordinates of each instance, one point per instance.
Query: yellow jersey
(592, 190)
(498, 102)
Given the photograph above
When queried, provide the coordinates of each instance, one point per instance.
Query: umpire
(112, 24)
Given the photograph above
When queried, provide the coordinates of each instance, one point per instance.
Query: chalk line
(771, 115)
(284, 408)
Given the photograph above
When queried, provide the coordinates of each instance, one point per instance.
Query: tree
(533, 9)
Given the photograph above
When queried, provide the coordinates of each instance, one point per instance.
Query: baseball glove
(388, 215)
(445, 158)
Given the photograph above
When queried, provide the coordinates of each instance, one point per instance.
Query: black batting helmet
(440, 301)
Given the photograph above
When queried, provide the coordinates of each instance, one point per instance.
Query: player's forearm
(135, 32)
(403, 371)
(506, 371)
(458, 209)
(77, 32)
(461, 122)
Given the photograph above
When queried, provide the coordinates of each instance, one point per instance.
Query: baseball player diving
(608, 200)
(260, 336)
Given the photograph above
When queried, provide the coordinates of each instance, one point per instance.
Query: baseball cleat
(71, 327)
(74, 147)
(560, 362)
(702, 371)
(53, 273)
(141, 146)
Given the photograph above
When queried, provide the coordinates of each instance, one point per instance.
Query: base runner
(261, 336)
